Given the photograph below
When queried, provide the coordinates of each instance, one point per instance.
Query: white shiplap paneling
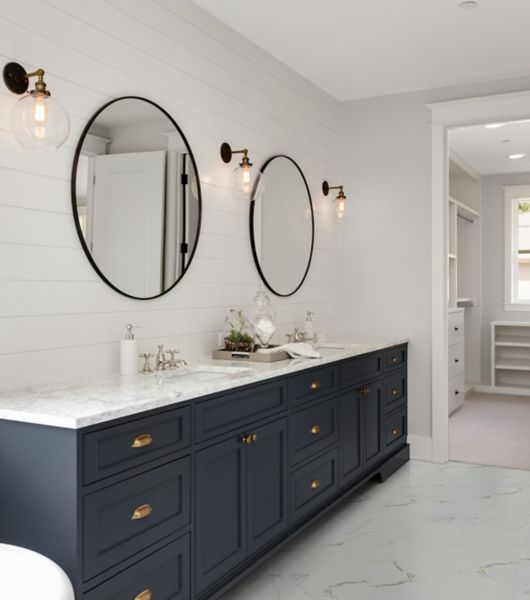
(57, 320)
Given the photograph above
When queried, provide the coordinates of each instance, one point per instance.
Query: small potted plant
(238, 334)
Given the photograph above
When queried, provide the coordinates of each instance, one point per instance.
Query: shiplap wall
(57, 320)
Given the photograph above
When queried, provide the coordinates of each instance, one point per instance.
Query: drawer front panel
(116, 449)
(125, 518)
(395, 357)
(456, 393)
(313, 430)
(313, 484)
(395, 430)
(165, 575)
(235, 410)
(360, 369)
(456, 360)
(395, 391)
(312, 385)
(456, 328)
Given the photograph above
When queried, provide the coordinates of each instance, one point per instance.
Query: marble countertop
(81, 403)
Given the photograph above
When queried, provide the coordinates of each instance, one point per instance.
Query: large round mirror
(282, 226)
(136, 197)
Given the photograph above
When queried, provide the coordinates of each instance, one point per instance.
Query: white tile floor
(491, 429)
(430, 532)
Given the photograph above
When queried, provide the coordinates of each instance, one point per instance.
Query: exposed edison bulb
(341, 206)
(40, 109)
(246, 179)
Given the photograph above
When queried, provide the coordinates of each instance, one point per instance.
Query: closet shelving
(510, 355)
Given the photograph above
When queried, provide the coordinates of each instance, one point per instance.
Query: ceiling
(358, 49)
(486, 150)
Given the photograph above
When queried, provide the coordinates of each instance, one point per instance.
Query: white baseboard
(420, 447)
(505, 390)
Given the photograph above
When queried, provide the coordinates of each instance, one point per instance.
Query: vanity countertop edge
(83, 403)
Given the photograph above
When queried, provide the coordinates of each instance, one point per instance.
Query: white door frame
(444, 115)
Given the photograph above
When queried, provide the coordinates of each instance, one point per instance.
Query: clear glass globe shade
(243, 178)
(258, 187)
(39, 122)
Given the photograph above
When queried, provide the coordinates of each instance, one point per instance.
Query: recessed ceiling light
(494, 125)
(516, 156)
(468, 5)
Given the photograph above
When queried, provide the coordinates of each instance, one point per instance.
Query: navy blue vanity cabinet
(180, 503)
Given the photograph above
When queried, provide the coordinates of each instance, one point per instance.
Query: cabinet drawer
(165, 575)
(455, 323)
(232, 411)
(395, 357)
(312, 385)
(395, 430)
(313, 430)
(125, 518)
(115, 449)
(395, 391)
(313, 484)
(456, 393)
(360, 369)
(456, 360)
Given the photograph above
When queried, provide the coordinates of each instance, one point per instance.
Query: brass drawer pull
(315, 430)
(142, 512)
(364, 391)
(142, 441)
(145, 595)
(395, 431)
(315, 484)
(315, 385)
(254, 437)
(395, 392)
(395, 359)
(248, 439)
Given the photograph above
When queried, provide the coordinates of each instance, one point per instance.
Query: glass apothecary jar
(263, 317)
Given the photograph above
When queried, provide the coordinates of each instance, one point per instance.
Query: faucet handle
(147, 366)
(172, 353)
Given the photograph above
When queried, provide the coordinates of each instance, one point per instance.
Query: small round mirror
(136, 197)
(282, 226)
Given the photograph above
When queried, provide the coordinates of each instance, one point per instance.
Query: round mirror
(282, 226)
(136, 197)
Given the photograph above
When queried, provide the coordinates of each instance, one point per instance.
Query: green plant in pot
(238, 334)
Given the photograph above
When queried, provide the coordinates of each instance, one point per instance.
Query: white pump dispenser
(129, 353)
(309, 329)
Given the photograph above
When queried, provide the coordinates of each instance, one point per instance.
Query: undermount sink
(202, 373)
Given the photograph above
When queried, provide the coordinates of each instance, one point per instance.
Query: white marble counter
(77, 404)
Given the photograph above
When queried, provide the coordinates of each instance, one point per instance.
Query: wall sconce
(246, 180)
(340, 199)
(38, 121)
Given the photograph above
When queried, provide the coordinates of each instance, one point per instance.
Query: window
(517, 233)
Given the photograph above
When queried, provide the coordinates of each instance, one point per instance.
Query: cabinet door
(350, 435)
(267, 484)
(372, 395)
(220, 510)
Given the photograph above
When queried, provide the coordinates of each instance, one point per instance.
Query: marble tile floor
(430, 532)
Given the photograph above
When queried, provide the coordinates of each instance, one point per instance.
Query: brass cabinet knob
(395, 359)
(315, 430)
(315, 484)
(142, 441)
(395, 431)
(315, 385)
(364, 391)
(142, 512)
(145, 595)
(395, 392)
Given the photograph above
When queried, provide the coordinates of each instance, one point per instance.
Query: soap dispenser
(309, 329)
(129, 352)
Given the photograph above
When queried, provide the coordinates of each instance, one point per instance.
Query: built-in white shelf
(464, 210)
(451, 256)
(510, 355)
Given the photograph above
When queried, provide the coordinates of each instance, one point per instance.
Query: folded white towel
(295, 350)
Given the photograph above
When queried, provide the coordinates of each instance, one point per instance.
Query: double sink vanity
(174, 486)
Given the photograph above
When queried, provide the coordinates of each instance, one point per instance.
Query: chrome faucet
(295, 336)
(162, 362)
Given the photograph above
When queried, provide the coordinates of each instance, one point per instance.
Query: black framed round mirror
(136, 197)
(282, 226)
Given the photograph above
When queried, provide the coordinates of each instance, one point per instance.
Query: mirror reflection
(137, 198)
(282, 226)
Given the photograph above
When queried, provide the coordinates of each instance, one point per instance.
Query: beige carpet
(492, 430)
